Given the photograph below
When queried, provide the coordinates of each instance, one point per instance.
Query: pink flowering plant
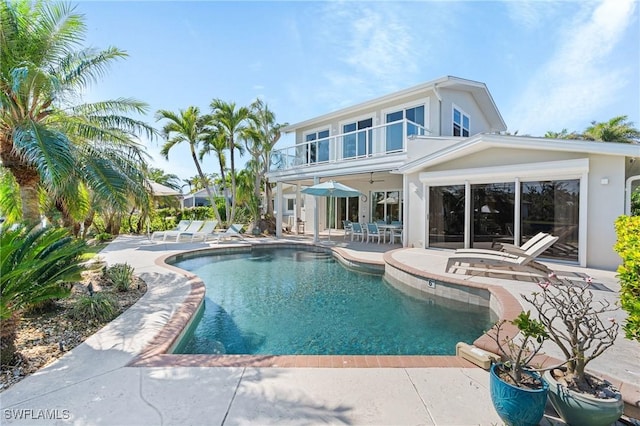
(579, 325)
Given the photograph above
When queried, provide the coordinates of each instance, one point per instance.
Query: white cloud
(576, 82)
(531, 14)
(372, 47)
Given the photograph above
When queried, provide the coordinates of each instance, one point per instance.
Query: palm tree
(187, 126)
(214, 141)
(617, 129)
(230, 122)
(47, 141)
(167, 179)
(265, 133)
(563, 134)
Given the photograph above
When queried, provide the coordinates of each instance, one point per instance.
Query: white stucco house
(435, 158)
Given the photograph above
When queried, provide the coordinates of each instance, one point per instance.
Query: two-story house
(435, 158)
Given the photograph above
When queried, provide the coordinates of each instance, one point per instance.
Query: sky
(549, 65)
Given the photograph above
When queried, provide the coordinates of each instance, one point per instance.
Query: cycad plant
(35, 266)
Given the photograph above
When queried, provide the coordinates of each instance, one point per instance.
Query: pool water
(297, 302)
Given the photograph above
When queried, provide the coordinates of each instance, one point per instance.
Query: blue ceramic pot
(517, 406)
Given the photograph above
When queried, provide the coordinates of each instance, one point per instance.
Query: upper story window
(356, 141)
(317, 146)
(460, 123)
(394, 132)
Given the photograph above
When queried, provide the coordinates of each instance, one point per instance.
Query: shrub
(103, 236)
(628, 247)
(35, 266)
(121, 274)
(96, 307)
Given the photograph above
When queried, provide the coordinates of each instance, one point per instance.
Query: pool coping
(156, 352)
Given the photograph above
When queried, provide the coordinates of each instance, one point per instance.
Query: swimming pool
(278, 301)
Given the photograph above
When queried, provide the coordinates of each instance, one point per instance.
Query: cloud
(531, 14)
(372, 47)
(577, 80)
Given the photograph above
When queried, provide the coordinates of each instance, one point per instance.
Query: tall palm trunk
(206, 186)
(8, 334)
(233, 179)
(26, 177)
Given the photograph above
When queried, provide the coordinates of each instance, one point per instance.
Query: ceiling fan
(371, 180)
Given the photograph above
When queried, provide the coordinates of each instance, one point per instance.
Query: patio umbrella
(330, 189)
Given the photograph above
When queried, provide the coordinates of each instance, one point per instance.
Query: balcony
(365, 143)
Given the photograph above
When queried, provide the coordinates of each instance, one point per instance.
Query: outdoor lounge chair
(182, 225)
(233, 231)
(495, 261)
(207, 231)
(193, 227)
(511, 248)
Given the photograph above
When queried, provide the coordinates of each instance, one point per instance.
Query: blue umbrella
(331, 189)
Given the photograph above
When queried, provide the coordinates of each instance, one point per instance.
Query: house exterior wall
(465, 102)
(605, 204)
(602, 202)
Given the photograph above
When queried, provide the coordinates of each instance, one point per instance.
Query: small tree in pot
(576, 323)
(518, 393)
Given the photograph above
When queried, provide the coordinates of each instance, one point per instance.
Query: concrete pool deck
(94, 384)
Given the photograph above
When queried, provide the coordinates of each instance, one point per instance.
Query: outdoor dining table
(389, 227)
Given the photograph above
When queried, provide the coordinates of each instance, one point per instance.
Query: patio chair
(346, 224)
(233, 231)
(357, 231)
(396, 233)
(207, 231)
(494, 261)
(373, 232)
(514, 249)
(194, 226)
(182, 225)
(511, 248)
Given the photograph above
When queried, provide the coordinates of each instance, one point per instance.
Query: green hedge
(628, 247)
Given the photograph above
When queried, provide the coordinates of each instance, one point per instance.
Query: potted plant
(518, 392)
(577, 324)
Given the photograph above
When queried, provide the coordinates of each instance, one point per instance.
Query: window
(545, 206)
(415, 118)
(357, 142)
(553, 207)
(290, 204)
(317, 146)
(460, 123)
(386, 206)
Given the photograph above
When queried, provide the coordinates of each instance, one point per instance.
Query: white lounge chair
(496, 261)
(509, 248)
(207, 231)
(182, 225)
(194, 226)
(233, 231)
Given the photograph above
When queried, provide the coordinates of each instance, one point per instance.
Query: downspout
(435, 90)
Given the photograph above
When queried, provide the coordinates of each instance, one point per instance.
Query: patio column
(296, 211)
(278, 209)
(316, 225)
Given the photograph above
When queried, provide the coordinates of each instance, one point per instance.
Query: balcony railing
(372, 141)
